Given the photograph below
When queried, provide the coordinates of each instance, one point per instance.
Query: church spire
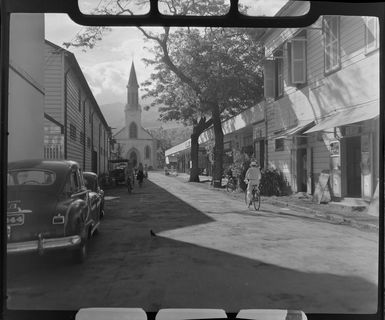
(132, 81)
(132, 90)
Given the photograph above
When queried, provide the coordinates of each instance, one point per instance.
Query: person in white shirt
(252, 178)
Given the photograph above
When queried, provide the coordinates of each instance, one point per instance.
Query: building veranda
(320, 115)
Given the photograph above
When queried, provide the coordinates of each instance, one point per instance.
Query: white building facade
(322, 92)
(26, 87)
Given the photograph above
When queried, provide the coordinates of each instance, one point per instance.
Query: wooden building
(322, 92)
(75, 127)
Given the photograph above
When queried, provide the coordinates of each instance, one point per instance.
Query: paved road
(210, 252)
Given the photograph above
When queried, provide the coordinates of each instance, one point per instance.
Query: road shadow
(155, 208)
(164, 273)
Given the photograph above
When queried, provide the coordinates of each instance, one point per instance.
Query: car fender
(76, 217)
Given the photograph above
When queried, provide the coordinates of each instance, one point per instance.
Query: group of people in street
(138, 173)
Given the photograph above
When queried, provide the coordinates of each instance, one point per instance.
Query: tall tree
(202, 74)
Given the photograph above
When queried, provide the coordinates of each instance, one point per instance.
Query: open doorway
(133, 158)
(353, 169)
(302, 170)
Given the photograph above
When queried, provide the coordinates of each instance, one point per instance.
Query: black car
(96, 193)
(49, 208)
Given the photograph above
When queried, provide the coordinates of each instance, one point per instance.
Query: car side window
(67, 187)
(74, 182)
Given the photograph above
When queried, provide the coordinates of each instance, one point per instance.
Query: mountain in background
(114, 115)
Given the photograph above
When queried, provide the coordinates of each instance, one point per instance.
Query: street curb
(328, 216)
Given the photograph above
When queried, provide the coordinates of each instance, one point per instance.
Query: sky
(107, 66)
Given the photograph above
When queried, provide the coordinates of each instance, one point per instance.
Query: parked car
(117, 170)
(48, 208)
(96, 193)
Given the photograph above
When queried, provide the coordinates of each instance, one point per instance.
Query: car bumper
(42, 245)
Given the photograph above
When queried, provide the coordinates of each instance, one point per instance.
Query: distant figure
(253, 177)
(152, 233)
(145, 171)
(140, 174)
(129, 175)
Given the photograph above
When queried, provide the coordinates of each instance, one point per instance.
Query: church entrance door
(134, 158)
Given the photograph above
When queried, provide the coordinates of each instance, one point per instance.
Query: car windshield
(90, 183)
(30, 177)
(238, 167)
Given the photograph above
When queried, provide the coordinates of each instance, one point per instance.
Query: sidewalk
(341, 213)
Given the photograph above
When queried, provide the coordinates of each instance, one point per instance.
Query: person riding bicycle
(252, 178)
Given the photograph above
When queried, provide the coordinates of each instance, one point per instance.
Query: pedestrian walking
(129, 176)
(140, 174)
(145, 171)
(252, 178)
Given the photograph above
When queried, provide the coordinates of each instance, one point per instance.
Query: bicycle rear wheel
(230, 186)
(256, 201)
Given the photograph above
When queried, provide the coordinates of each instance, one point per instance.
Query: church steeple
(132, 90)
(132, 81)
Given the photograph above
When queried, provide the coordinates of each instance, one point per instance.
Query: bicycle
(255, 199)
(231, 184)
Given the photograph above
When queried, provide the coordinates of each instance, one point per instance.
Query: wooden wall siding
(88, 135)
(53, 84)
(321, 156)
(74, 117)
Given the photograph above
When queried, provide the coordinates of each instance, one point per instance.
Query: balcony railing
(53, 151)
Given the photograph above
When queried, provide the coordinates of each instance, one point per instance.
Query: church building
(133, 142)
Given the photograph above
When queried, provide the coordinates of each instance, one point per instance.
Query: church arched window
(147, 152)
(133, 131)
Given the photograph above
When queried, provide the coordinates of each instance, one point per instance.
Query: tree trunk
(194, 172)
(198, 128)
(218, 148)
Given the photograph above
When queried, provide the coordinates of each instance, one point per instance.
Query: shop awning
(297, 130)
(348, 116)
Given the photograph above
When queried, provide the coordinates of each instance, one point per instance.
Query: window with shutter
(279, 76)
(298, 61)
(371, 34)
(269, 82)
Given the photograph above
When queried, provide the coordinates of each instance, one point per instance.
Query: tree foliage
(202, 75)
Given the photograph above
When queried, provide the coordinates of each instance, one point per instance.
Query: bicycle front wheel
(257, 201)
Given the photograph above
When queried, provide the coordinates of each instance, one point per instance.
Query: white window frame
(331, 41)
(301, 60)
(375, 44)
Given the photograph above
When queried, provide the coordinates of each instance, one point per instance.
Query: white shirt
(253, 173)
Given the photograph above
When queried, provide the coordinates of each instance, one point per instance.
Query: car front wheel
(80, 253)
